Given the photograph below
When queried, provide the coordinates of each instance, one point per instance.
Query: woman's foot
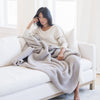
(76, 95)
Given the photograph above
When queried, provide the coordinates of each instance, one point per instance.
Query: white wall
(1, 12)
(83, 19)
(88, 22)
(26, 11)
(95, 29)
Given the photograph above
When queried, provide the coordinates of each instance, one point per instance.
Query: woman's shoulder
(57, 27)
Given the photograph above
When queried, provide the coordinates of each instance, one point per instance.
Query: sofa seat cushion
(85, 64)
(15, 78)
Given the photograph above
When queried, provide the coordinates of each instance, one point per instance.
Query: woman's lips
(42, 22)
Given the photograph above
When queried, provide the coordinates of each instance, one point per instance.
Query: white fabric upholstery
(71, 39)
(9, 48)
(35, 93)
(88, 51)
(85, 64)
(16, 78)
(86, 76)
(42, 91)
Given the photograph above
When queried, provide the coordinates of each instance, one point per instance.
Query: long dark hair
(46, 14)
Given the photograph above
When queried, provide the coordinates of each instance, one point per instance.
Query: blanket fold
(64, 74)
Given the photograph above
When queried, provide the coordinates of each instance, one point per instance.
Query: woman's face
(42, 20)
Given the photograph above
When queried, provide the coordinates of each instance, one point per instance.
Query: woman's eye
(41, 17)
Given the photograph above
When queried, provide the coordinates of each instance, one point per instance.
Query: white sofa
(20, 83)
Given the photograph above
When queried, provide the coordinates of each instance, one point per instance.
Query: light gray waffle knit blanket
(64, 74)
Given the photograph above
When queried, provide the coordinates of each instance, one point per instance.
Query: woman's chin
(43, 24)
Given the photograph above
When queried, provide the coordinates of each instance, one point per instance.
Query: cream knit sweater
(53, 36)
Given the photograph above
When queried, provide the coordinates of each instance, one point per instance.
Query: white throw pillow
(71, 39)
(9, 48)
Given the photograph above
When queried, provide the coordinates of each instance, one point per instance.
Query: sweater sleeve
(31, 31)
(60, 38)
(28, 32)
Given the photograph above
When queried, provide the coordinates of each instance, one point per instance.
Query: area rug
(85, 94)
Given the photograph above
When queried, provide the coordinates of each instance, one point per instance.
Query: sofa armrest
(88, 51)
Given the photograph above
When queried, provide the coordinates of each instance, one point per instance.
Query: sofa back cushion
(71, 39)
(9, 48)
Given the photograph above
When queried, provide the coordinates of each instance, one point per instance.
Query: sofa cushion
(85, 64)
(71, 39)
(15, 78)
(9, 48)
(86, 76)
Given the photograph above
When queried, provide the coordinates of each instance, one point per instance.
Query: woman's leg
(76, 93)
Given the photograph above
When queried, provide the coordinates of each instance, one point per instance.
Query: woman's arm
(35, 20)
(61, 54)
(27, 31)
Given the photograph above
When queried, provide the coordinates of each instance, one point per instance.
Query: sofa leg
(92, 85)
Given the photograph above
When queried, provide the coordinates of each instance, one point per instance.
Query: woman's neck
(45, 26)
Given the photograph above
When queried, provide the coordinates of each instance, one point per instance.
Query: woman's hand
(61, 54)
(60, 57)
(34, 20)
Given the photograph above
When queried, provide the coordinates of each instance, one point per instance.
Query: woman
(51, 34)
